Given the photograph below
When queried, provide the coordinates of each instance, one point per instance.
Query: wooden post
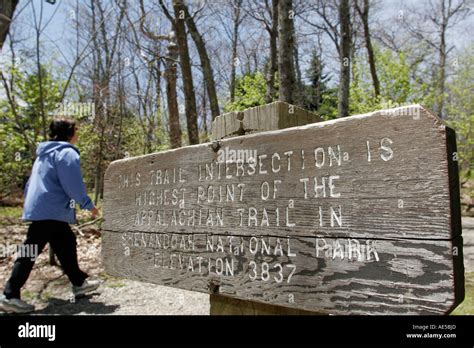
(223, 305)
(277, 115)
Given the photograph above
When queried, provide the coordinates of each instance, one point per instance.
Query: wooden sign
(351, 216)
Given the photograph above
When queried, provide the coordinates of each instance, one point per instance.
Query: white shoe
(87, 286)
(15, 305)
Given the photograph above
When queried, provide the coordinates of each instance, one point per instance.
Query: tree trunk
(442, 60)
(297, 92)
(171, 95)
(121, 96)
(204, 113)
(442, 73)
(235, 39)
(286, 67)
(7, 8)
(205, 63)
(100, 156)
(345, 58)
(188, 85)
(159, 124)
(364, 15)
(273, 64)
(38, 30)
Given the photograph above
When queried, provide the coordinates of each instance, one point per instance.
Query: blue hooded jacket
(55, 185)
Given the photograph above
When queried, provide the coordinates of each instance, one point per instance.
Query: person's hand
(94, 213)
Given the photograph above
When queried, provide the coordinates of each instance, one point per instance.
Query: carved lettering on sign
(343, 216)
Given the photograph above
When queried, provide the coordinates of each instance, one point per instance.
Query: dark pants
(63, 242)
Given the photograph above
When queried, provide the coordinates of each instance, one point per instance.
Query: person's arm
(69, 172)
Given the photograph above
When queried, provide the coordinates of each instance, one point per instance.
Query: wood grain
(274, 116)
(390, 182)
(410, 276)
(405, 197)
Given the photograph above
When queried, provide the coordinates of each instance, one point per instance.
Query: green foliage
(400, 86)
(251, 89)
(328, 107)
(9, 216)
(249, 92)
(15, 160)
(467, 306)
(28, 87)
(132, 138)
(460, 111)
(136, 141)
(19, 135)
(87, 143)
(317, 96)
(396, 88)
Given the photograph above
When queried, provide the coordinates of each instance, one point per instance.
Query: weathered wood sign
(351, 216)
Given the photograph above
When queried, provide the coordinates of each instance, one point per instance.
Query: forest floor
(49, 289)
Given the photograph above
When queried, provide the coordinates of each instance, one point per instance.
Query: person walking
(51, 194)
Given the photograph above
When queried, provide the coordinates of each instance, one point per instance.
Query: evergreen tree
(318, 83)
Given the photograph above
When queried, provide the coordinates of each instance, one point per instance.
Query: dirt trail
(49, 289)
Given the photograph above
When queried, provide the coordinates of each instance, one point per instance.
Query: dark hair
(62, 129)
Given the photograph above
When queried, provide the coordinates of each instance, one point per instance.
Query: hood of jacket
(47, 147)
